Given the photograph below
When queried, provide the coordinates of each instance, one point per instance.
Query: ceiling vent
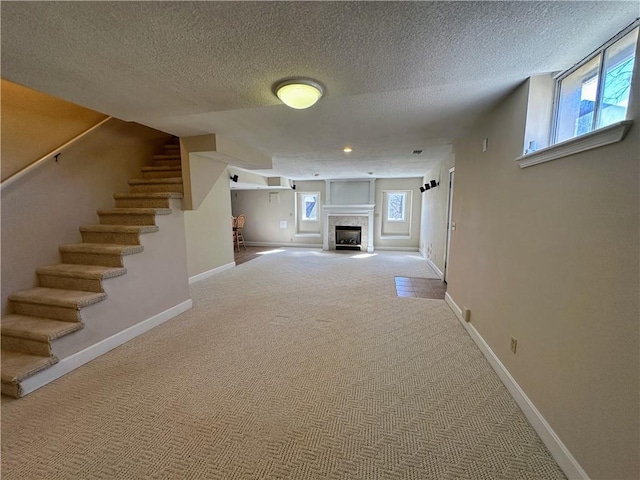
(417, 152)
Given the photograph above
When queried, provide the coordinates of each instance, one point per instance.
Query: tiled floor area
(420, 287)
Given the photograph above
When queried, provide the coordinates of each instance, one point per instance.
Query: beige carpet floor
(300, 364)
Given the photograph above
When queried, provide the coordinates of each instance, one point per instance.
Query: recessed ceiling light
(347, 149)
(370, 173)
(299, 93)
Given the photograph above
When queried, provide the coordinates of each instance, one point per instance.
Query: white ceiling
(399, 76)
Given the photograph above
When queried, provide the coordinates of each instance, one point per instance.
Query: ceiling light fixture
(299, 93)
(347, 149)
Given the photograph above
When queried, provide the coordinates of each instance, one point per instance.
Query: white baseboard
(559, 451)
(76, 360)
(422, 253)
(282, 245)
(395, 249)
(211, 273)
(435, 267)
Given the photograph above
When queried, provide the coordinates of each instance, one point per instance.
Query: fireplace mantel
(356, 210)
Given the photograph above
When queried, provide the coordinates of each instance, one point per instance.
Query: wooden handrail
(52, 154)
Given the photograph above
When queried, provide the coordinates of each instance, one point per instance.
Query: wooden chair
(234, 223)
(238, 237)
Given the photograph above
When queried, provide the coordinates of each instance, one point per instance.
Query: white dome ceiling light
(299, 93)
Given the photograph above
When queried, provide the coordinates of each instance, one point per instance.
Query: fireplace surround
(349, 203)
(348, 215)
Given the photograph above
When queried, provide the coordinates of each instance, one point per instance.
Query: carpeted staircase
(54, 309)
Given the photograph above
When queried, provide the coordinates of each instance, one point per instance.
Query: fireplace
(348, 237)
(349, 203)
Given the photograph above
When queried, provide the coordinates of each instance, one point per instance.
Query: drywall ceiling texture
(398, 76)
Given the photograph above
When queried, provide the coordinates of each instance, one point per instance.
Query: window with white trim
(595, 92)
(396, 206)
(309, 206)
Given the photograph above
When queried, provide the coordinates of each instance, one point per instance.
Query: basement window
(595, 93)
(309, 205)
(396, 202)
(591, 101)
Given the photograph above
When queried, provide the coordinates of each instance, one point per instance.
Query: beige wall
(264, 214)
(434, 201)
(33, 124)
(208, 230)
(45, 208)
(310, 231)
(549, 255)
(156, 282)
(264, 217)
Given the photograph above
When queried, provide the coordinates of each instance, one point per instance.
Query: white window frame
(597, 108)
(303, 214)
(596, 138)
(389, 193)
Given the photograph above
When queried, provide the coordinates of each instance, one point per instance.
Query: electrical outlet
(514, 345)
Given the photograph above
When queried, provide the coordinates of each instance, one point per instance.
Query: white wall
(549, 255)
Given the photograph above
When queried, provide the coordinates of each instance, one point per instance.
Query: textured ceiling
(399, 76)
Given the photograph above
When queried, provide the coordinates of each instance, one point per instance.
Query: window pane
(395, 206)
(577, 101)
(310, 207)
(619, 59)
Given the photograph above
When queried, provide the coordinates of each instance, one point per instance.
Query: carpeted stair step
(161, 172)
(53, 303)
(107, 255)
(167, 155)
(145, 200)
(168, 160)
(70, 276)
(171, 150)
(131, 216)
(17, 366)
(118, 234)
(21, 333)
(156, 185)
